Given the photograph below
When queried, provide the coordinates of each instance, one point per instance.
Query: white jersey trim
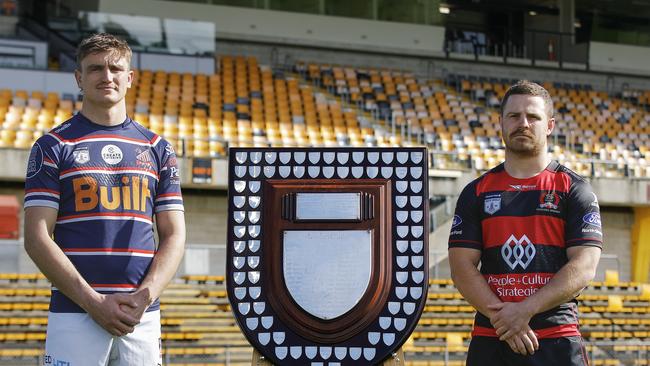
(109, 172)
(172, 207)
(92, 218)
(41, 203)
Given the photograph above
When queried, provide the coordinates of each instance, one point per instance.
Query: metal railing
(531, 47)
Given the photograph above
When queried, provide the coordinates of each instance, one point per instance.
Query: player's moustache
(521, 131)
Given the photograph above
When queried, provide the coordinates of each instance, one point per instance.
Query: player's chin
(525, 150)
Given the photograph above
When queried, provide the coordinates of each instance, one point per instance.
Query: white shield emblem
(81, 156)
(327, 272)
(492, 204)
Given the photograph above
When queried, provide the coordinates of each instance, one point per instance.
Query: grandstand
(211, 75)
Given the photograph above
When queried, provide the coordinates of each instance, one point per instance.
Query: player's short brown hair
(103, 42)
(525, 87)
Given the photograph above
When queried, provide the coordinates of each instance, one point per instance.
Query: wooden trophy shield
(327, 256)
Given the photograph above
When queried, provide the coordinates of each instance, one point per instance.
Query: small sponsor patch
(522, 187)
(62, 127)
(35, 162)
(170, 150)
(81, 155)
(112, 154)
(592, 218)
(595, 201)
(456, 221)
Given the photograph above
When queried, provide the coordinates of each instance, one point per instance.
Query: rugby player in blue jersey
(93, 187)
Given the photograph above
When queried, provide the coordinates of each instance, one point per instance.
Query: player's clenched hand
(524, 342)
(141, 299)
(107, 312)
(509, 319)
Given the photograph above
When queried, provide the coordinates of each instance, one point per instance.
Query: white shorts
(74, 339)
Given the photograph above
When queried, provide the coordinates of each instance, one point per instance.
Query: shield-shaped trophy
(327, 260)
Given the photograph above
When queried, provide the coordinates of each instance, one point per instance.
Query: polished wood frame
(372, 301)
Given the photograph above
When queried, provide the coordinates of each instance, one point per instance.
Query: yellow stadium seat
(614, 303)
(611, 278)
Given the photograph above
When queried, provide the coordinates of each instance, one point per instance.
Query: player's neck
(522, 167)
(99, 114)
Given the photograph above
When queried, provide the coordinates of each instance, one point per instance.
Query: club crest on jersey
(549, 200)
(143, 159)
(112, 154)
(492, 204)
(518, 252)
(81, 155)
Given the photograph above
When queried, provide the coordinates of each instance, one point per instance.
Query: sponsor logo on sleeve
(170, 150)
(174, 172)
(492, 204)
(62, 128)
(112, 154)
(592, 218)
(35, 162)
(456, 221)
(81, 155)
(595, 201)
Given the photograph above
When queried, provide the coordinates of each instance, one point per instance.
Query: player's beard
(529, 147)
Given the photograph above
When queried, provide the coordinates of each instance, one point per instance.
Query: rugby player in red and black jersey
(534, 227)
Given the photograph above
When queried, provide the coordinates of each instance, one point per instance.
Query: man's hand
(107, 311)
(524, 342)
(509, 319)
(141, 299)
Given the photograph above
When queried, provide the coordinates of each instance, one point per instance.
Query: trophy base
(396, 360)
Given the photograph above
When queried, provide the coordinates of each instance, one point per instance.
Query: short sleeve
(466, 229)
(583, 226)
(168, 195)
(42, 188)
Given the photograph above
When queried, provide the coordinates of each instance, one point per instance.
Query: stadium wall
(38, 80)
(293, 28)
(619, 58)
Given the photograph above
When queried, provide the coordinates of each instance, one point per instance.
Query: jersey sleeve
(466, 229)
(168, 195)
(42, 188)
(583, 226)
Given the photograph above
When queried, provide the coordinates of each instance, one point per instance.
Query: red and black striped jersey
(522, 228)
